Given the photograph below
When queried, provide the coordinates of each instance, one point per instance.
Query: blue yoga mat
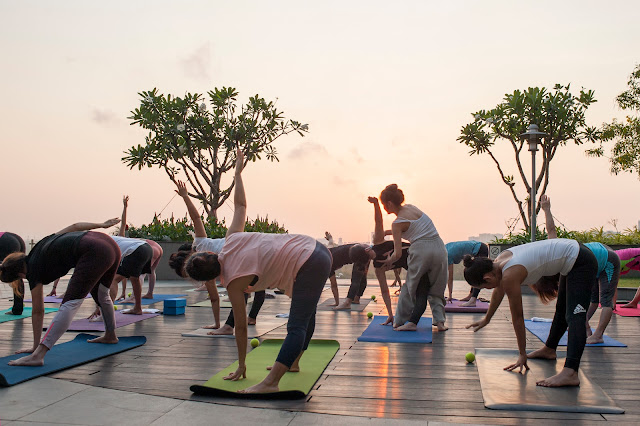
(541, 331)
(63, 356)
(26, 313)
(376, 332)
(156, 298)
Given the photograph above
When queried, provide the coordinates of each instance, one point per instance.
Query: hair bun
(467, 260)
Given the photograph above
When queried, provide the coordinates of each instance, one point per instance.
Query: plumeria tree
(195, 137)
(557, 112)
(625, 154)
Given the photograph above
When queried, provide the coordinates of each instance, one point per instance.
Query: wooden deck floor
(405, 381)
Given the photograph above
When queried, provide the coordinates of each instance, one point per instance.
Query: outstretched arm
(87, 226)
(198, 226)
(239, 198)
(545, 205)
(123, 221)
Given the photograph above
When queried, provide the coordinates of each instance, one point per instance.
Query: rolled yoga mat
(376, 332)
(6, 315)
(510, 390)
(156, 298)
(122, 319)
(324, 306)
(541, 331)
(292, 385)
(65, 355)
(454, 306)
(263, 326)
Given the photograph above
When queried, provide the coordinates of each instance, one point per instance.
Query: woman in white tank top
(427, 262)
(538, 264)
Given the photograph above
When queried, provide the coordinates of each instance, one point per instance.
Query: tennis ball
(115, 308)
(129, 294)
(373, 297)
(255, 343)
(470, 357)
(369, 315)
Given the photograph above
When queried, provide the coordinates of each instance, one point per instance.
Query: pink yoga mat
(627, 312)
(121, 320)
(455, 307)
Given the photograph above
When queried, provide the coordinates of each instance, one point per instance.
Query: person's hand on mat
(389, 320)
(53, 292)
(478, 324)
(522, 362)
(94, 314)
(240, 373)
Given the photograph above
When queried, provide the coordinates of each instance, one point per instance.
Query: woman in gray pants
(427, 256)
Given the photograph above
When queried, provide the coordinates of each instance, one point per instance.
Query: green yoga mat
(26, 313)
(292, 385)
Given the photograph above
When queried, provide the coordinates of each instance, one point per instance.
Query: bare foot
(148, 296)
(295, 368)
(543, 353)
(260, 388)
(469, 303)
(356, 300)
(212, 326)
(251, 321)
(441, 326)
(335, 303)
(28, 360)
(342, 306)
(465, 299)
(630, 305)
(589, 331)
(104, 339)
(226, 330)
(594, 339)
(132, 311)
(567, 377)
(407, 327)
(128, 300)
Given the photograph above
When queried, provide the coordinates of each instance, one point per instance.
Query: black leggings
(12, 243)
(482, 252)
(422, 294)
(258, 300)
(574, 293)
(358, 281)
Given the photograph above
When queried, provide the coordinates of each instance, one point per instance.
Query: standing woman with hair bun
(12, 243)
(427, 258)
(538, 265)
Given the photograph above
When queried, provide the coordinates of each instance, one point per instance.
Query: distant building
(485, 238)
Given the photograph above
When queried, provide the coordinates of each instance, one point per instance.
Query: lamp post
(533, 136)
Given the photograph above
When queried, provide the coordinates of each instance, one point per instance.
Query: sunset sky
(384, 86)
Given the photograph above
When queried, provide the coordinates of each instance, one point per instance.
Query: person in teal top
(456, 250)
(604, 293)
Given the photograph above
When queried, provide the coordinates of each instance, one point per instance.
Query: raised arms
(239, 198)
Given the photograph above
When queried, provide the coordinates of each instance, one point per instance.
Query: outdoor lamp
(533, 136)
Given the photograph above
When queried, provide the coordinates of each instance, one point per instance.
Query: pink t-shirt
(274, 258)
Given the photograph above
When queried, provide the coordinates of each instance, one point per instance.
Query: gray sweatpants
(426, 256)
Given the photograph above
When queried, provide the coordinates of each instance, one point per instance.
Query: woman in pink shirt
(252, 261)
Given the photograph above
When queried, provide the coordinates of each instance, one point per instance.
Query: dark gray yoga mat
(508, 390)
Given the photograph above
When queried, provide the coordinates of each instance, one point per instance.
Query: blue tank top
(601, 253)
(456, 250)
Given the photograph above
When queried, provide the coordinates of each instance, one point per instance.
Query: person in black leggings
(94, 257)
(12, 243)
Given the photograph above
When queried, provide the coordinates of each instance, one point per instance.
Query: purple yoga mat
(53, 299)
(455, 307)
(121, 320)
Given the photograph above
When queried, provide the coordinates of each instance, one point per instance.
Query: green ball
(470, 357)
(129, 294)
(115, 308)
(373, 297)
(369, 315)
(255, 343)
